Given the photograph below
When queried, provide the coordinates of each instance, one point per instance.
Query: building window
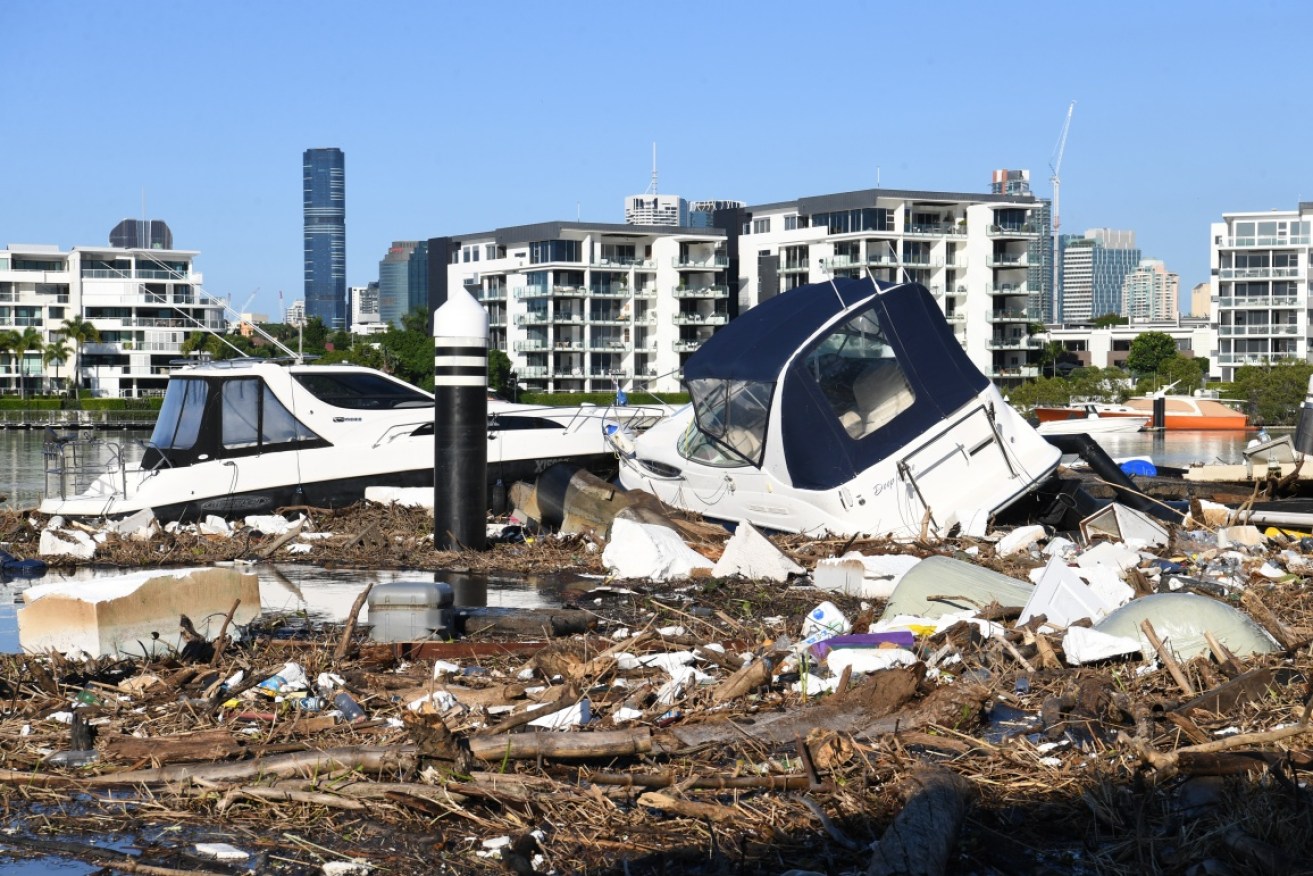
(542, 251)
(761, 226)
(790, 223)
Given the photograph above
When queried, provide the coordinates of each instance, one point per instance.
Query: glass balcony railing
(700, 319)
(1251, 273)
(531, 319)
(532, 292)
(1022, 315)
(705, 262)
(1296, 240)
(686, 346)
(1232, 330)
(1253, 301)
(1007, 261)
(1007, 289)
(700, 292)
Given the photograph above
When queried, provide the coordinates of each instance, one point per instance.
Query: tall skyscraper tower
(324, 190)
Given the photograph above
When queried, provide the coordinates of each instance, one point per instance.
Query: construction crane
(1056, 179)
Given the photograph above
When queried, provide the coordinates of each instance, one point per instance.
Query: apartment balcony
(608, 346)
(569, 318)
(1240, 242)
(1250, 302)
(566, 345)
(1257, 358)
(497, 293)
(708, 263)
(700, 292)
(1025, 230)
(645, 292)
(35, 321)
(612, 291)
(561, 372)
(957, 318)
(686, 346)
(531, 319)
(1257, 273)
(569, 291)
(532, 371)
(1007, 289)
(607, 319)
(529, 346)
(532, 292)
(796, 267)
(936, 230)
(1007, 261)
(610, 373)
(496, 320)
(1268, 330)
(623, 263)
(139, 274)
(646, 319)
(1013, 344)
(1023, 315)
(699, 319)
(1014, 372)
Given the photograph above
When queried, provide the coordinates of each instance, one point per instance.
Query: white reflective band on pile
(478, 361)
(456, 380)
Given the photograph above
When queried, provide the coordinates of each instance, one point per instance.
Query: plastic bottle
(73, 758)
(350, 709)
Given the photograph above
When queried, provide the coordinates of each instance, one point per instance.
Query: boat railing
(75, 465)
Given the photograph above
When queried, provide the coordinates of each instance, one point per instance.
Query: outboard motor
(1304, 430)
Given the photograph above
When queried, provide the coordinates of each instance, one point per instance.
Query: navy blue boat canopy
(876, 366)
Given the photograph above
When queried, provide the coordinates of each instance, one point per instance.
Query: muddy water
(313, 594)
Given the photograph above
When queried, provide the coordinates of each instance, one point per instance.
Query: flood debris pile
(1127, 698)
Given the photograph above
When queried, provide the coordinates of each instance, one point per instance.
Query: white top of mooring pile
(460, 317)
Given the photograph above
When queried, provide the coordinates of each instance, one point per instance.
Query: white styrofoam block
(854, 574)
(571, 716)
(1106, 553)
(69, 542)
(1083, 645)
(1018, 540)
(749, 554)
(646, 550)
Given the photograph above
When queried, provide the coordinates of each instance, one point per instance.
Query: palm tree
(28, 342)
(56, 353)
(80, 332)
(8, 340)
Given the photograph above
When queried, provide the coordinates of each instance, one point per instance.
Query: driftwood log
(920, 842)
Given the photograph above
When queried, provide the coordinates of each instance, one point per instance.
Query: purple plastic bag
(899, 638)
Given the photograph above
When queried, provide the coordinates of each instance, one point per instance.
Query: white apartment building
(654, 209)
(1150, 292)
(591, 307)
(295, 314)
(143, 302)
(1109, 346)
(972, 251)
(1260, 287)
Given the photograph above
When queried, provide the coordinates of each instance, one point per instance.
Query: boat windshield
(859, 375)
(361, 391)
(179, 421)
(253, 416)
(695, 445)
(733, 413)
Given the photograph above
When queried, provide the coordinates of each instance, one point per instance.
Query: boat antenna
(175, 274)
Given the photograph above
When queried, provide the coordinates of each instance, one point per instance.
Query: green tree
(1109, 319)
(80, 332)
(1148, 352)
(8, 341)
(56, 353)
(500, 375)
(1049, 355)
(30, 341)
(1272, 394)
(1187, 374)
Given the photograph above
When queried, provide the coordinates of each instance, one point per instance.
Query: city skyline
(937, 107)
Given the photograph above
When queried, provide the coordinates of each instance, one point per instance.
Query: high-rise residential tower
(1260, 264)
(395, 273)
(324, 191)
(1150, 293)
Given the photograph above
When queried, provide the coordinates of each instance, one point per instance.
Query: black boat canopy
(860, 370)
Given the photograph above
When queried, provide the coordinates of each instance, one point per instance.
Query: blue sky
(463, 117)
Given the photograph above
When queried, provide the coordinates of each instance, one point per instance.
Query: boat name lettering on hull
(887, 485)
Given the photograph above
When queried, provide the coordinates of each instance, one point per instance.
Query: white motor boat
(845, 407)
(1092, 424)
(250, 436)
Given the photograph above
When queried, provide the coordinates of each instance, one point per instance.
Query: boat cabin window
(859, 375)
(362, 391)
(733, 414)
(179, 421)
(253, 416)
